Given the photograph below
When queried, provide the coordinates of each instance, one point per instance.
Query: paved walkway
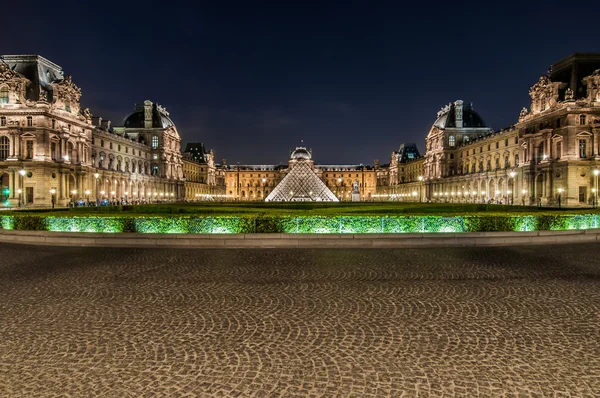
(470, 322)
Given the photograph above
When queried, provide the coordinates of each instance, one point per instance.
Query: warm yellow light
(53, 191)
(96, 175)
(74, 191)
(22, 172)
(87, 192)
(19, 191)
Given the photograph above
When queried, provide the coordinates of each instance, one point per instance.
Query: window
(102, 143)
(29, 149)
(126, 150)
(4, 147)
(155, 156)
(67, 106)
(4, 95)
(451, 156)
(451, 141)
(516, 140)
(516, 160)
(558, 149)
(465, 139)
(53, 124)
(119, 148)
(69, 127)
(506, 142)
(29, 121)
(3, 121)
(53, 150)
(582, 120)
(582, 148)
(497, 145)
(110, 145)
(154, 141)
(154, 170)
(488, 147)
(497, 163)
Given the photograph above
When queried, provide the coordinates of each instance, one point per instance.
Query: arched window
(582, 120)
(451, 141)
(4, 95)
(4, 147)
(154, 141)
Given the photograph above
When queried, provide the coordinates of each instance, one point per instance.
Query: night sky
(352, 79)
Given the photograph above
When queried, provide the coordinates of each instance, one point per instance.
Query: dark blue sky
(352, 79)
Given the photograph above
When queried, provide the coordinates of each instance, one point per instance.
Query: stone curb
(346, 241)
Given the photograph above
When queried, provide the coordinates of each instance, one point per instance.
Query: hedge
(311, 224)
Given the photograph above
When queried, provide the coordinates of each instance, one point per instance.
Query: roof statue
(301, 184)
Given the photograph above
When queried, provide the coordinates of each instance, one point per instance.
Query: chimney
(105, 124)
(458, 113)
(147, 114)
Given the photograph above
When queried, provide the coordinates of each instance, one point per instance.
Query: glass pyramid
(301, 184)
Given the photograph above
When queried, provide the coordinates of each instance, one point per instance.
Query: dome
(471, 119)
(160, 117)
(300, 153)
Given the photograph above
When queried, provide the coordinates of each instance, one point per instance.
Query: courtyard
(519, 321)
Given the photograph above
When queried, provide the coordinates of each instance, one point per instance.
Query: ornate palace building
(551, 154)
(256, 182)
(54, 152)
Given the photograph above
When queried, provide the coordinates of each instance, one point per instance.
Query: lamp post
(87, 194)
(22, 173)
(512, 188)
(96, 175)
(420, 188)
(596, 172)
(560, 191)
(53, 198)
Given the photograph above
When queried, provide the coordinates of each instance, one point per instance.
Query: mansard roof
(471, 119)
(160, 117)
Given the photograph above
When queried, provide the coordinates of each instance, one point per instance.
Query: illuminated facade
(256, 182)
(53, 152)
(550, 156)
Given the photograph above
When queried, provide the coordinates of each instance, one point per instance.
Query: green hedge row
(320, 224)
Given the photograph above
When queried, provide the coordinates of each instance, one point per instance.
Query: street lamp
(596, 172)
(96, 175)
(53, 198)
(560, 191)
(22, 172)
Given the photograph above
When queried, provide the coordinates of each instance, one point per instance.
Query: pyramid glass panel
(301, 184)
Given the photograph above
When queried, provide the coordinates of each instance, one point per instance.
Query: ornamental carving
(523, 114)
(592, 83)
(569, 96)
(6, 73)
(67, 90)
(544, 94)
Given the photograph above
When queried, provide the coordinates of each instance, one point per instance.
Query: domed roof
(446, 117)
(300, 153)
(160, 118)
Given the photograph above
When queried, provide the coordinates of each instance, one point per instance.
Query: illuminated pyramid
(301, 184)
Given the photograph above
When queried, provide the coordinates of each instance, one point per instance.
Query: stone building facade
(549, 157)
(255, 182)
(53, 152)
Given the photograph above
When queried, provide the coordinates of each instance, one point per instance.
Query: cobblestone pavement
(517, 322)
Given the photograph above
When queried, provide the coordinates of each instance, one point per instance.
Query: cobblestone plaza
(81, 322)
